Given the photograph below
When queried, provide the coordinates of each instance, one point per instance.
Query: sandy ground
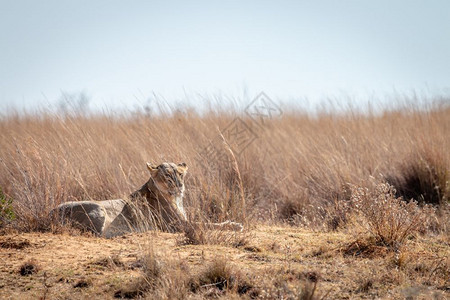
(81, 266)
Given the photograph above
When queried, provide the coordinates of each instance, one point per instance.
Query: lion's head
(168, 178)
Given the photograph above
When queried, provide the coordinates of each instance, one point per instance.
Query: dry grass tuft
(172, 279)
(424, 177)
(388, 220)
(10, 243)
(159, 279)
(29, 267)
(149, 279)
(83, 283)
(109, 262)
(220, 278)
(203, 233)
(367, 247)
(289, 283)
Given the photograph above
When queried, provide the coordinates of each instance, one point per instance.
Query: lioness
(164, 194)
(159, 200)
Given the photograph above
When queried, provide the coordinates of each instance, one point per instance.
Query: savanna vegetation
(335, 205)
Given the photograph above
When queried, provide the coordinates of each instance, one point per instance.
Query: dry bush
(151, 279)
(366, 246)
(386, 218)
(430, 271)
(172, 279)
(108, 262)
(288, 283)
(424, 177)
(218, 276)
(6, 210)
(202, 233)
(297, 168)
(29, 267)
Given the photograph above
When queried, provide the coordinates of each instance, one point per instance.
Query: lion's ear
(152, 168)
(182, 168)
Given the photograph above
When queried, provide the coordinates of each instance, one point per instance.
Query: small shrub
(388, 219)
(6, 210)
(159, 279)
(83, 283)
(302, 210)
(149, 279)
(308, 291)
(368, 247)
(218, 274)
(281, 283)
(218, 278)
(11, 243)
(291, 209)
(337, 214)
(29, 267)
(365, 284)
(152, 268)
(205, 233)
(109, 262)
(299, 211)
(424, 178)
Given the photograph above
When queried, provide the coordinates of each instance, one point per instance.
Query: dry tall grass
(298, 168)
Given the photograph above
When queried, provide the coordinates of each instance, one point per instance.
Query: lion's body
(158, 203)
(163, 193)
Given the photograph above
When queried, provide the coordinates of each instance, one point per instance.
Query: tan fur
(163, 193)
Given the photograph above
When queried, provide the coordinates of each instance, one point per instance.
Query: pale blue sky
(120, 52)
